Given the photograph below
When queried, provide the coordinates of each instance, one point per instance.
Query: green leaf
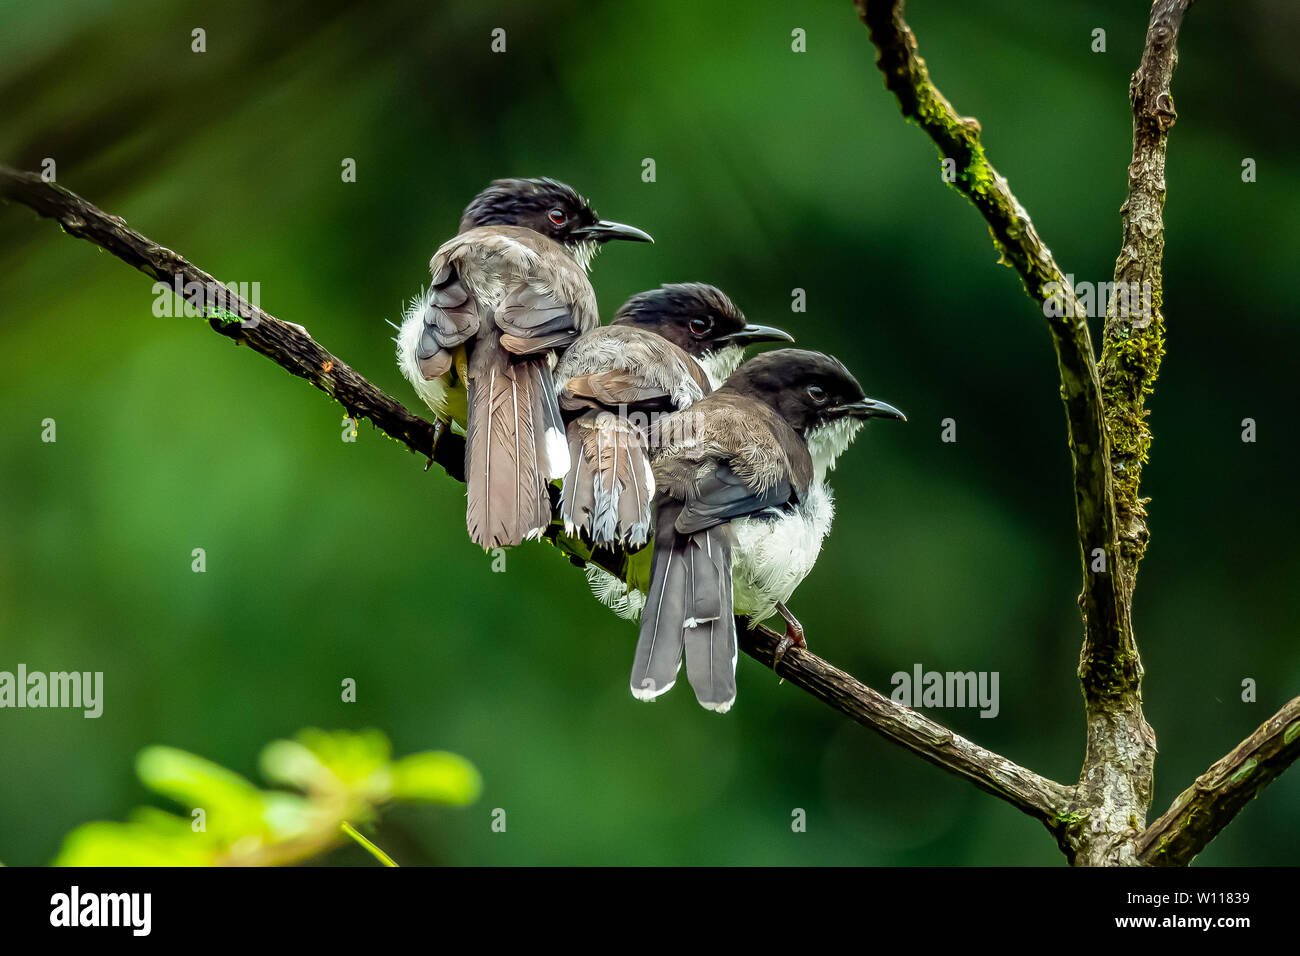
(291, 763)
(345, 775)
(132, 844)
(436, 776)
(232, 804)
(351, 756)
(288, 816)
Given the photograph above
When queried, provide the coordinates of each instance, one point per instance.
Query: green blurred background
(775, 170)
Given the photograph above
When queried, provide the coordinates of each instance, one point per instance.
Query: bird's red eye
(557, 216)
(701, 326)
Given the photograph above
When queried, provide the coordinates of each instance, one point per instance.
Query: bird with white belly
(774, 551)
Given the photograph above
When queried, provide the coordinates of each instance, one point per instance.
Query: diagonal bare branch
(292, 348)
(1044, 799)
(289, 346)
(1219, 794)
(1018, 242)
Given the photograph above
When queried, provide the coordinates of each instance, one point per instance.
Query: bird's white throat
(719, 365)
(827, 442)
(584, 252)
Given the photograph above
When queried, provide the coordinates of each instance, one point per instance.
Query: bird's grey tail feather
(710, 622)
(659, 647)
(577, 495)
(688, 609)
(608, 490)
(507, 455)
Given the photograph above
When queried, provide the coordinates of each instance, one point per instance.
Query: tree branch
(1119, 763)
(290, 347)
(1037, 796)
(1016, 239)
(1219, 794)
(1134, 337)
(1114, 787)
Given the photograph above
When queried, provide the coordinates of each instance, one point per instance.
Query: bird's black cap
(806, 388)
(697, 317)
(547, 206)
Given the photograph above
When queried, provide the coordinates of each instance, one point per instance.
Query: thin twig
(367, 845)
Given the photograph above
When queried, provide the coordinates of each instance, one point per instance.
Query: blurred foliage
(344, 779)
(775, 171)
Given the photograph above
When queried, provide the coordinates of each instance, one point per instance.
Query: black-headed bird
(741, 454)
(509, 294)
(651, 360)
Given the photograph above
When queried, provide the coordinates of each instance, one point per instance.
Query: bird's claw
(438, 426)
(782, 646)
(793, 638)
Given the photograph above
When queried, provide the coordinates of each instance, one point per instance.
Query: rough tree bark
(1099, 820)
(1109, 439)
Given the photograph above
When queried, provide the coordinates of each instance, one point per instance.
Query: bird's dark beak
(869, 408)
(756, 333)
(605, 230)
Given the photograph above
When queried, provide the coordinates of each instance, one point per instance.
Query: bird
(652, 359)
(508, 294)
(741, 454)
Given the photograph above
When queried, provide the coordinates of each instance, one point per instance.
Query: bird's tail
(514, 444)
(609, 487)
(688, 610)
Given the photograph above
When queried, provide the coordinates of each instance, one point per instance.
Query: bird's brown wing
(533, 320)
(451, 317)
(719, 493)
(726, 457)
(606, 375)
(617, 366)
(611, 389)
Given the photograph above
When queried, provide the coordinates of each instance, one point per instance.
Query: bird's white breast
(774, 553)
(771, 558)
(434, 391)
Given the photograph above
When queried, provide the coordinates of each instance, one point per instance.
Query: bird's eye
(817, 394)
(701, 326)
(557, 216)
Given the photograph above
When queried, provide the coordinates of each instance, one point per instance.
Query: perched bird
(651, 360)
(509, 293)
(741, 454)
